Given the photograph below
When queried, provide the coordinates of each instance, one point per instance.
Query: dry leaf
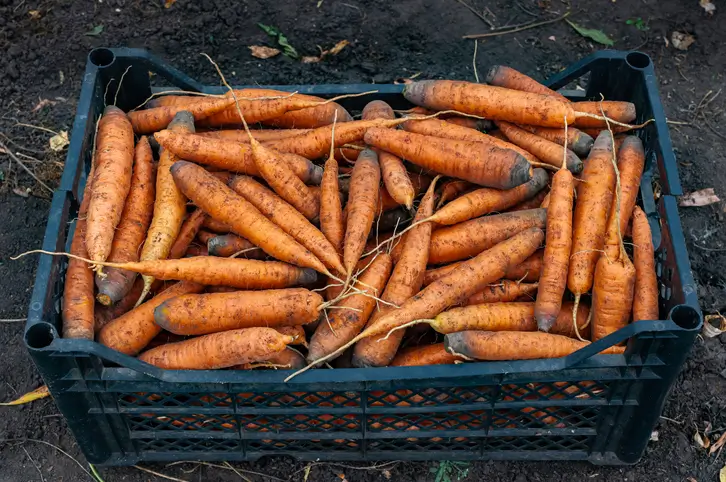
(718, 445)
(333, 51)
(338, 47)
(701, 442)
(34, 14)
(704, 197)
(722, 474)
(36, 394)
(311, 59)
(22, 193)
(42, 103)
(59, 141)
(708, 6)
(169, 3)
(262, 52)
(681, 40)
(710, 330)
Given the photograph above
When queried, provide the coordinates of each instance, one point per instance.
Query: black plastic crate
(585, 406)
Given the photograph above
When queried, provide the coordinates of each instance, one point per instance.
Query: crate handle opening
(40, 336)
(101, 57)
(686, 317)
(638, 60)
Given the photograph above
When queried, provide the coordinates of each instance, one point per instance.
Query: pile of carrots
(202, 243)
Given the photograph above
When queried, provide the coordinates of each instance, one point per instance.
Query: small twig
(167, 477)
(37, 467)
(708, 249)
(473, 62)
(25, 168)
(36, 127)
(481, 16)
(118, 89)
(713, 129)
(518, 29)
(12, 320)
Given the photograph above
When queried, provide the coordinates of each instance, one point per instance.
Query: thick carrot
(262, 135)
(487, 200)
(211, 224)
(558, 245)
(131, 230)
(155, 119)
(405, 282)
(463, 240)
(114, 159)
(645, 302)
(222, 203)
(331, 208)
(104, 314)
(504, 169)
(495, 103)
(218, 350)
(188, 231)
(200, 314)
(547, 151)
(612, 295)
(131, 332)
(295, 331)
(502, 291)
(311, 117)
(230, 155)
(594, 198)
(362, 200)
(346, 321)
(170, 205)
(619, 111)
(503, 76)
(577, 140)
(425, 355)
(394, 174)
(226, 245)
(287, 359)
(288, 219)
(196, 250)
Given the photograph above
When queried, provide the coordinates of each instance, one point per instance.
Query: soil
(43, 48)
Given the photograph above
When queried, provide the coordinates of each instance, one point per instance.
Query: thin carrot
(362, 199)
(104, 314)
(131, 332)
(262, 135)
(386, 202)
(188, 231)
(645, 302)
(394, 174)
(503, 76)
(619, 111)
(155, 119)
(528, 270)
(575, 139)
(612, 295)
(532, 203)
(463, 240)
(226, 245)
(502, 291)
(452, 189)
(222, 203)
(218, 350)
(114, 160)
(487, 200)
(331, 208)
(203, 237)
(549, 152)
(311, 117)
(504, 169)
(424, 355)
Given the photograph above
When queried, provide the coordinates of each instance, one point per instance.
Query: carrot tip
(309, 276)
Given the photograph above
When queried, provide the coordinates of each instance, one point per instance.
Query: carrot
(155, 119)
(504, 169)
(477, 124)
(503, 76)
(215, 226)
(612, 295)
(200, 314)
(394, 174)
(131, 332)
(295, 331)
(282, 360)
(218, 350)
(204, 237)
(594, 198)
(104, 314)
(362, 200)
(513, 345)
(452, 189)
(346, 321)
(262, 135)
(131, 230)
(577, 140)
(645, 302)
(227, 245)
(77, 312)
(222, 203)
(528, 270)
(532, 203)
(502, 291)
(311, 117)
(188, 231)
(545, 202)
(290, 221)
(405, 282)
(331, 209)
(230, 155)
(470, 238)
(472, 276)
(425, 355)
(631, 161)
(619, 111)
(169, 207)
(386, 202)
(564, 325)
(558, 245)
(494, 103)
(113, 159)
(487, 200)
(196, 250)
(549, 152)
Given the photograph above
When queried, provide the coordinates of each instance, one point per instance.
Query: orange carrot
(282, 360)
(503, 76)
(262, 135)
(131, 332)
(577, 140)
(362, 199)
(230, 155)
(549, 152)
(545, 202)
(203, 237)
(494, 103)
(226, 245)
(487, 200)
(470, 122)
(470, 238)
(502, 291)
(114, 160)
(288, 219)
(504, 169)
(104, 314)
(386, 202)
(200, 314)
(187, 233)
(425, 355)
(211, 224)
(394, 174)
(619, 111)
(528, 270)
(452, 189)
(222, 203)
(218, 350)
(331, 209)
(645, 302)
(532, 203)
(612, 295)
(311, 117)
(155, 119)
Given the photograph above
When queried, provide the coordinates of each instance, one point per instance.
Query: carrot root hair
(406, 325)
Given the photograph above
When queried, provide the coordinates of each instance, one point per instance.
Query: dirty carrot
(188, 231)
(532, 203)
(623, 112)
(104, 314)
(502, 291)
(547, 151)
(148, 121)
(612, 295)
(528, 270)
(452, 189)
(331, 208)
(424, 355)
(262, 135)
(645, 302)
(507, 77)
(226, 245)
(211, 224)
(311, 117)
(575, 139)
(362, 200)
